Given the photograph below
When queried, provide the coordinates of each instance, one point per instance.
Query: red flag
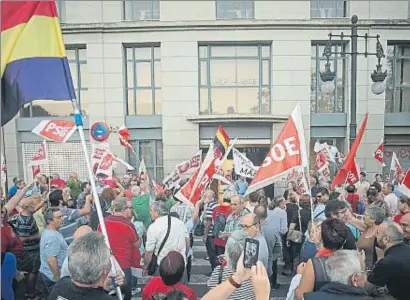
(36, 170)
(349, 164)
(288, 153)
(124, 135)
(378, 154)
(192, 190)
(353, 176)
(55, 130)
(405, 185)
(157, 188)
(40, 156)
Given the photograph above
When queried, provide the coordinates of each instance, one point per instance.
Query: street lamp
(378, 76)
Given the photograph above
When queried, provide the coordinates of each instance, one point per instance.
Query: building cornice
(300, 24)
(251, 118)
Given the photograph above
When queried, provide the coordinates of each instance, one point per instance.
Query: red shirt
(10, 242)
(121, 235)
(157, 286)
(353, 199)
(226, 211)
(59, 183)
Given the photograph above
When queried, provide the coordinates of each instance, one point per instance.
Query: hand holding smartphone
(251, 253)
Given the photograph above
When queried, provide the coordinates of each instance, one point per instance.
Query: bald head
(250, 224)
(81, 231)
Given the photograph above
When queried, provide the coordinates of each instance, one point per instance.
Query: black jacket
(336, 291)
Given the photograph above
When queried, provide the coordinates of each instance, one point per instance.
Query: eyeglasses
(404, 225)
(244, 226)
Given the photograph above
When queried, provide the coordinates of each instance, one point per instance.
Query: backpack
(219, 223)
(361, 208)
(321, 278)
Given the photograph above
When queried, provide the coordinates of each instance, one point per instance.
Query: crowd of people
(351, 242)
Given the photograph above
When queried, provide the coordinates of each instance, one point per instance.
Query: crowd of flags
(34, 66)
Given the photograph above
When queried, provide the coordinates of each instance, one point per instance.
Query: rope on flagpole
(79, 124)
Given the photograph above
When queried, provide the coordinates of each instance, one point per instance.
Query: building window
(77, 59)
(60, 4)
(235, 79)
(322, 102)
(339, 143)
(152, 153)
(140, 10)
(235, 9)
(398, 78)
(143, 80)
(328, 9)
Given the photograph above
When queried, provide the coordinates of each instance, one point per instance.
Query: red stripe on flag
(14, 13)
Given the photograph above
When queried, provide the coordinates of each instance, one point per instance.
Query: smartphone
(251, 253)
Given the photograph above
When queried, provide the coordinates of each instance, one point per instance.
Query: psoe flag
(34, 64)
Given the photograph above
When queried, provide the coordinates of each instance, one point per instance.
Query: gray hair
(88, 257)
(395, 232)
(160, 207)
(234, 247)
(49, 214)
(120, 205)
(276, 202)
(342, 264)
(377, 213)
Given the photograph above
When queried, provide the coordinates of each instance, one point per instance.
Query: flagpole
(48, 163)
(79, 124)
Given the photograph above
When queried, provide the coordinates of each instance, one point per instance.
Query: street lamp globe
(327, 87)
(378, 88)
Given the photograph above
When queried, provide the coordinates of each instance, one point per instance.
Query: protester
(405, 225)
(233, 222)
(403, 206)
(14, 188)
(346, 275)
(167, 231)
(29, 234)
(220, 216)
(363, 186)
(393, 266)
(390, 197)
(89, 266)
(353, 198)
(253, 201)
(171, 270)
(234, 260)
(101, 186)
(241, 185)
(53, 250)
(273, 241)
(140, 205)
(57, 182)
(322, 196)
(74, 184)
(208, 238)
(124, 241)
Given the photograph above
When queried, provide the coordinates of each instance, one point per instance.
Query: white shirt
(391, 200)
(176, 240)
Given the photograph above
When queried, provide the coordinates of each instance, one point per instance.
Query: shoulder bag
(153, 264)
(296, 236)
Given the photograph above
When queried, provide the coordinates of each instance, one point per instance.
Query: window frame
(345, 9)
(135, 159)
(243, 10)
(334, 60)
(394, 85)
(132, 6)
(260, 85)
(153, 87)
(60, 5)
(78, 62)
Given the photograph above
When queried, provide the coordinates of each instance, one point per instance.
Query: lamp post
(378, 76)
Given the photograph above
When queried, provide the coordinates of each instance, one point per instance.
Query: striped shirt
(244, 292)
(208, 215)
(26, 226)
(180, 210)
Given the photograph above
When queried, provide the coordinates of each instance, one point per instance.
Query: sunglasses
(243, 226)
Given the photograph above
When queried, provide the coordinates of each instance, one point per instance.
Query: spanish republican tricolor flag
(34, 64)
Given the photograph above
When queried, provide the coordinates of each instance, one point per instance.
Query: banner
(378, 154)
(322, 166)
(97, 153)
(55, 130)
(124, 135)
(173, 179)
(243, 165)
(3, 169)
(157, 188)
(287, 153)
(350, 162)
(40, 157)
(36, 170)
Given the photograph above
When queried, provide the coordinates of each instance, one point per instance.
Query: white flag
(243, 165)
(142, 168)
